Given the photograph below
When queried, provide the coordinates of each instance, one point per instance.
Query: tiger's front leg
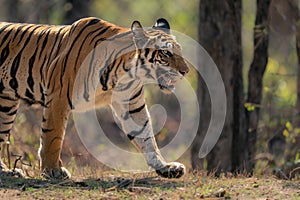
(53, 129)
(136, 123)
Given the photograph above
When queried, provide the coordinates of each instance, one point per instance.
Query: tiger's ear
(139, 35)
(162, 24)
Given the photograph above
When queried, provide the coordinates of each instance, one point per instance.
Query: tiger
(81, 66)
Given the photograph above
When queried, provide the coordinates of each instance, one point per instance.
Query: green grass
(117, 185)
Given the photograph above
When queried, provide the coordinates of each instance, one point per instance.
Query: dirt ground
(116, 185)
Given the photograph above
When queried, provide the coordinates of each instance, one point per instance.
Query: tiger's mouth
(167, 83)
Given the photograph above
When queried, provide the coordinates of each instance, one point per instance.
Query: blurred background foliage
(279, 92)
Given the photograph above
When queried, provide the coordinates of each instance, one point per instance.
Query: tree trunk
(255, 76)
(76, 9)
(296, 14)
(296, 145)
(220, 35)
(293, 141)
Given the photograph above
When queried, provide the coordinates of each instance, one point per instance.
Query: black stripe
(4, 54)
(126, 116)
(13, 72)
(94, 21)
(15, 65)
(47, 103)
(54, 43)
(82, 44)
(29, 95)
(136, 94)
(145, 140)
(18, 30)
(68, 96)
(114, 37)
(147, 50)
(120, 52)
(78, 54)
(42, 94)
(42, 50)
(44, 130)
(99, 34)
(69, 52)
(117, 65)
(45, 42)
(7, 98)
(104, 73)
(8, 123)
(5, 109)
(5, 37)
(121, 35)
(29, 37)
(60, 43)
(25, 31)
(151, 60)
(137, 109)
(41, 34)
(5, 132)
(104, 79)
(5, 27)
(133, 134)
(53, 86)
(128, 85)
(85, 92)
(126, 69)
(147, 70)
(12, 113)
(1, 86)
(73, 27)
(51, 74)
(42, 69)
(30, 80)
(142, 62)
(86, 83)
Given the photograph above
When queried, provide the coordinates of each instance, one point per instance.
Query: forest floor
(116, 185)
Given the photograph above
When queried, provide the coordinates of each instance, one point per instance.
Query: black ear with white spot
(162, 24)
(140, 37)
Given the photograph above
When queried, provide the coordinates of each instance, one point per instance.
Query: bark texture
(255, 77)
(220, 35)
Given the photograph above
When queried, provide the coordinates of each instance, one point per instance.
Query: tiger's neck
(105, 61)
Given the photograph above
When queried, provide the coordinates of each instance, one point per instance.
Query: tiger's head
(158, 54)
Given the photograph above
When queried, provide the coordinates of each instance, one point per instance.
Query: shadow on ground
(115, 184)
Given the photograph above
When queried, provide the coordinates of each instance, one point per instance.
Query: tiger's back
(30, 55)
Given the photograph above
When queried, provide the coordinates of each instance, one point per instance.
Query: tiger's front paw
(58, 173)
(172, 170)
